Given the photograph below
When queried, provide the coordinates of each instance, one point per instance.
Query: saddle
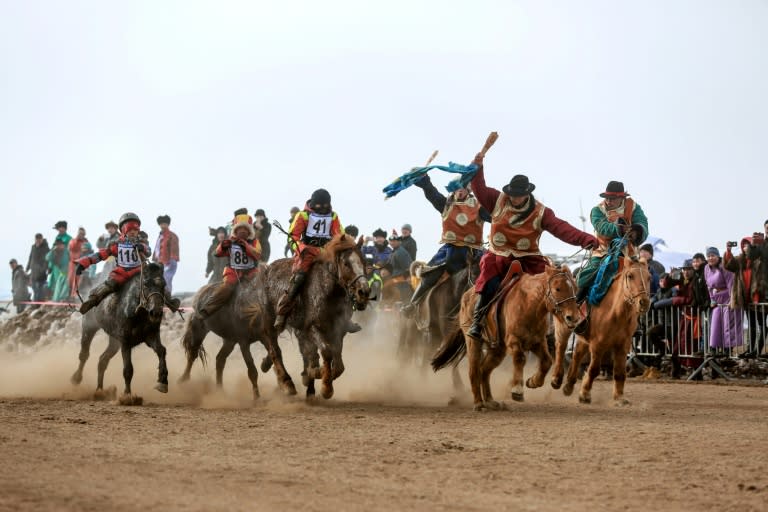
(423, 316)
(493, 318)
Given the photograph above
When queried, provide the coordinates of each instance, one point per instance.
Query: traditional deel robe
(726, 328)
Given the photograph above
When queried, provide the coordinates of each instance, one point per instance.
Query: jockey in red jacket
(310, 230)
(243, 252)
(128, 252)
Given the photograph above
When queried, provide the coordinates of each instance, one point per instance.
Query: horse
(610, 327)
(130, 316)
(229, 322)
(335, 284)
(521, 319)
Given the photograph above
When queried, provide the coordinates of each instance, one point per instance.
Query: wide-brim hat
(111, 223)
(163, 219)
(380, 233)
(518, 186)
(687, 263)
(614, 189)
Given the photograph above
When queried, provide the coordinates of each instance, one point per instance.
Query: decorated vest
(625, 212)
(462, 224)
(515, 238)
(239, 258)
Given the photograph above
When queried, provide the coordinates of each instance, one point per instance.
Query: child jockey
(243, 251)
(129, 252)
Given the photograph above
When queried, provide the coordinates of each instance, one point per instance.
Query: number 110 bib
(127, 257)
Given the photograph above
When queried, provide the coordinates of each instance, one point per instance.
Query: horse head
(152, 291)
(636, 280)
(561, 295)
(348, 263)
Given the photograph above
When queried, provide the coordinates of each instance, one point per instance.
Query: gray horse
(130, 316)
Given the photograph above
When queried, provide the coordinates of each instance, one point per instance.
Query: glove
(636, 232)
(591, 244)
(226, 244)
(79, 269)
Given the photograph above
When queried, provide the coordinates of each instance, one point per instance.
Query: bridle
(629, 297)
(143, 295)
(340, 280)
(555, 304)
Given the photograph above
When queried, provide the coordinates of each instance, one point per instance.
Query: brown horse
(335, 285)
(611, 324)
(229, 323)
(523, 326)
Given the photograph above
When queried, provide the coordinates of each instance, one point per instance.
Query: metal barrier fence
(686, 335)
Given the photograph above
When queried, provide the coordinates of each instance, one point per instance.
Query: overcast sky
(193, 109)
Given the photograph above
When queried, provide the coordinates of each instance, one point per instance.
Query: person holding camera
(748, 293)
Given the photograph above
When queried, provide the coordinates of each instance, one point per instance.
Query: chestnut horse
(610, 326)
(522, 324)
(335, 285)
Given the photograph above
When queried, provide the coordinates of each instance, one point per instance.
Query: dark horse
(229, 322)
(129, 316)
(335, 285)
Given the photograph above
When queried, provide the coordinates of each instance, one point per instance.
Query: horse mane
(339, 243)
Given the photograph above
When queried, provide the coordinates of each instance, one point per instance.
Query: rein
(628, 297)
(556, 309)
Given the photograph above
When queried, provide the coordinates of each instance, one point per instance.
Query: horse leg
(276, 356)
(541, 351)
(253, 374)
(491, 360)
(311, 364)
(581, 349)
(596, 355)
(562, 335)
(86, 337)
(619, 375)
(112, 348)
(162, 370)
(192, 341)
(221, 361)
(518, 368)
(474, 356)
(127, 368)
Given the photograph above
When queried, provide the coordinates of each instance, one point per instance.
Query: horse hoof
(453, 401)
(305, 380)
(530, 383)
(518, 397)
(621, 402)
(289, 387)
(479, 408)
(100, 395)
(327, 391)
(163, 388)
(184, 378)
(556, 383)
(130, 400)
(568, 389)
(585, 399)
(493, 405)
(76, 379)
(266, 364)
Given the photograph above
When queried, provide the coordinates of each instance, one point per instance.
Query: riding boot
(216, 300)
(428, 280)
(97, 295)
(581, 294)
(478, 317)
(172, 302)
(285, 304)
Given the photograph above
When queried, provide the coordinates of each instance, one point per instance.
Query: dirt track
(677, 447)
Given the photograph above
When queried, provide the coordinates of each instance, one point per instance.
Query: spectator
(700, 288)
(352, 231)
(216, 264)
(38, 268)
(166, 250)
(19, 286)
(75, 249)
(58, 265)
(264, 230)
(289, 246)
(399, 268)
(726, 322)
(380, 249)
(745, 294)
(654, 267)
(103, 241)
(758, 253)
(407, 241)
(374, 279)
(61, 227)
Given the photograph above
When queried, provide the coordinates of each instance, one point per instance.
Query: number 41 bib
(319, 226)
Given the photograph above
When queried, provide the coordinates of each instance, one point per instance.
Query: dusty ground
(385, 442)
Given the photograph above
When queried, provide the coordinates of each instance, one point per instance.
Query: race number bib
(127, 256)
(239, 259)
(319, 226)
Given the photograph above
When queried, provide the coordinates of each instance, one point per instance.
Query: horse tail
(451, 351)
(191, 348)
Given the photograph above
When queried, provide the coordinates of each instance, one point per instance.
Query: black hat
(699, 256)
(614, 189)
(259, 212)
(241, 211)
(320, 196)
(518, 186)
(380, 232)
(111, 223)
(13, 261)
(163, 219)
(351, 230)
(60, 224)
(38, 235)
(647, 247)
(688, 263)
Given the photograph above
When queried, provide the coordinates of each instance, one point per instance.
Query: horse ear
(565, 268)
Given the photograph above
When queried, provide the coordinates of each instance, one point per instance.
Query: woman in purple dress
(726, 329)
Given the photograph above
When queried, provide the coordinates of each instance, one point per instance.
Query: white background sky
(197, 108)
